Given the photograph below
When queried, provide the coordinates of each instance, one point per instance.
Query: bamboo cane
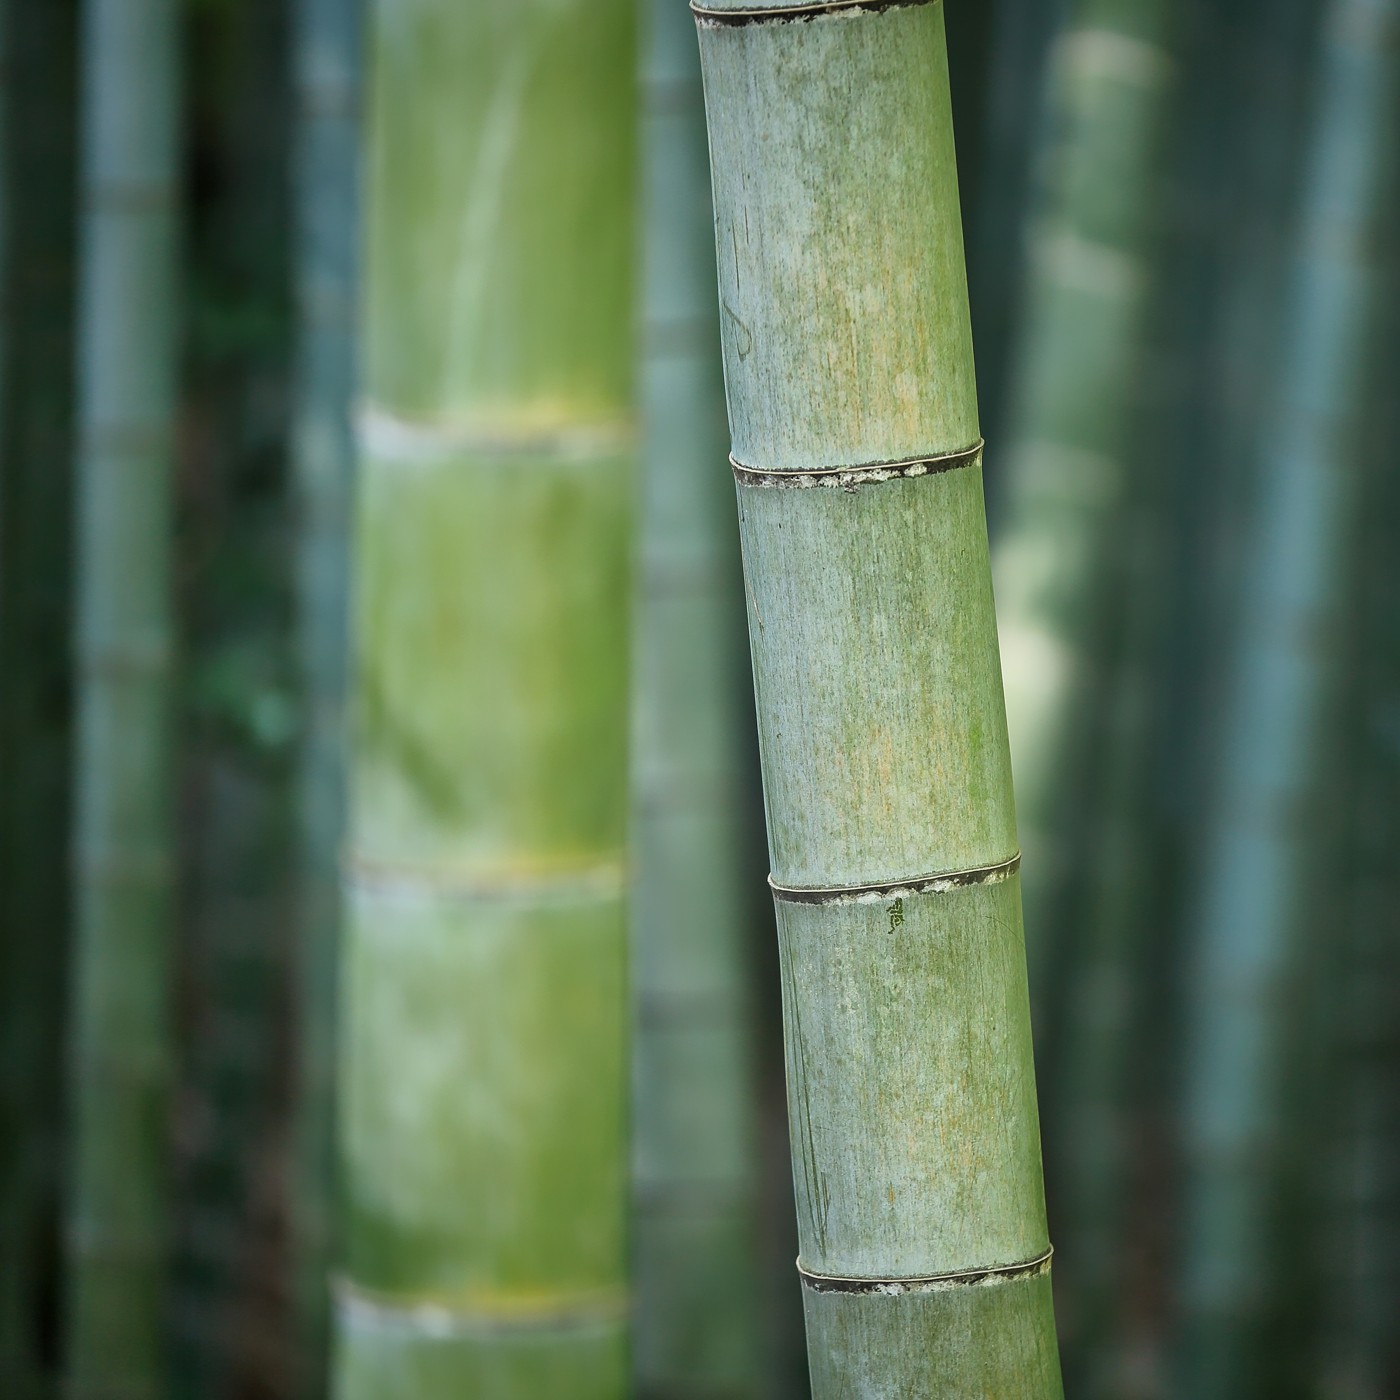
(121, 1060)
(37, 219)
(327, 75)
(1069, 463)
(848, 364)
(1256, 867)
(484, 1011)
(696, 1319)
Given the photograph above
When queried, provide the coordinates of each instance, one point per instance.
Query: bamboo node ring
(878, 893)
(934, 1283)
(781, 13)
(853, 478)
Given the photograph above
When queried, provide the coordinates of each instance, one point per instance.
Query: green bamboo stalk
(1359, 1289)
(696, 1317)
(1070, 461)
(847, 343)
(121, 1060)
(326, 62)
(484, 1013)
(1259, 862)
(37, 165)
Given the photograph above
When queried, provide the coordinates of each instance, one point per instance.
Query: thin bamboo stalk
(891, 822)
(1257, 854)
(326, 62)
(37, 217)
(696, 1319)
(121, 1059)
(1071, 456)
(484, 1083)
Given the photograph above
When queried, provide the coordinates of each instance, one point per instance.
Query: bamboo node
(896, 889)
(933, 1283)
(853, 478)
(786, 14)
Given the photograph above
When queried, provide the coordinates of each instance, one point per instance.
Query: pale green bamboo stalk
(1260, 860)
(121, 1060)
(694, 1216)
(326, 77)
(485, 1008)
(1071, 456)
(925, 1259)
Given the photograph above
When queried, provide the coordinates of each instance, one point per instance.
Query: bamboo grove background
(1181, 225)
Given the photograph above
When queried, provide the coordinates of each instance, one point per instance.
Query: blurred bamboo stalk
(483, 1068)
(696, 1319)
(848, 363)
(1072, 457)
(122, 866)
(1258, 854)
(326, 58)
(37, 217)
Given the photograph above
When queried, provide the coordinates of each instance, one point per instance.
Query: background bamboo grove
(398, 720)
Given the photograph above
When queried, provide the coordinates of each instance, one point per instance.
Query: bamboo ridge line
(787, 13)
(935, 1283)
(922, 884)
(496, 1315)
(407, 442)
(852, 478)
(378, 879)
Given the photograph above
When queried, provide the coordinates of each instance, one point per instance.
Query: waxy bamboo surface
(848, 363)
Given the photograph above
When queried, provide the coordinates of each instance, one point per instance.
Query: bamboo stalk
(484, 1011)
(37, 217)
(121, 1059)
(891, 823)
(1070, 459)
(327, 77)
(1257, 850)
(696, 1319)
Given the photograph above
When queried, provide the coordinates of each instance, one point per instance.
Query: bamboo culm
(1069, 457)
(327, 78)
(696, 1319)
(1257, 867)
(484, 1005)
(117, 1234)
(852, 402)
(37, 220)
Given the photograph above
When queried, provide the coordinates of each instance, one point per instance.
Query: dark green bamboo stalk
(697, 1325)
(117, 1235)
(1259, 853)
(848, 364)
(37, 216)
(326, 73)
(485, 1007)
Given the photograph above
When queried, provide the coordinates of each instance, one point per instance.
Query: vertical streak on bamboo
(1070, 464)
(122, 864)
(327, 76)
(1360, 1286)
(846, 342)
(1257, 853)
(484, 1012)
(694, 1212)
